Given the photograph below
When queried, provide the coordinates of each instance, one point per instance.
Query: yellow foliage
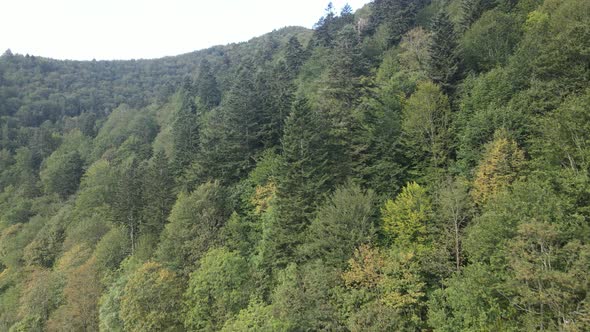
(263, 196)
(498, 168)
(365, 268)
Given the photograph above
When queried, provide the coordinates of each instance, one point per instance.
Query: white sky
(132, 29)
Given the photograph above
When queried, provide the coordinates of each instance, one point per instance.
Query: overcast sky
(132, 29)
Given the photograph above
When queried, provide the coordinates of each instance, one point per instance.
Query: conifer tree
(233, 134)
(444, 58)
(303, 178)
(294, 56)
(128, 200)
(158, 193)
(206, 86)
(185, 130)
(471, 10)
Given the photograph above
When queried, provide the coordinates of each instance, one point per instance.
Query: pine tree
(324, 28)
(444, 58)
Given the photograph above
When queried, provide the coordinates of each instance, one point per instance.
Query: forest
(415, 165)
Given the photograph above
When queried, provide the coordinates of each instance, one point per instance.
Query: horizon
(70, 30)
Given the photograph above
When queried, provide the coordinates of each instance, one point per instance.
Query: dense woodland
(416, 165)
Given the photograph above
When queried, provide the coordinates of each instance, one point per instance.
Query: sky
(134, 29)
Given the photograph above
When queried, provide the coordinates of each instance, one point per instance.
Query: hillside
(416, 165)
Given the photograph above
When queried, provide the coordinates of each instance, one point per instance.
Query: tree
(405, 219)
(490, 41)
(158, 194)
(128, 202)
(383, 291)
(62, 173)
(185, 130)
(82, 291)
(206, 86)
(303, 177)
(295, 56)
(194, 227)
(152, 300)
(342, 223)
(303, 298)
(499, 167)
(444, 58)
(347, 65)
(217, 290)
(426, 123)
(233, 134)
(453, 206)
(471, 10)
(395, 17)
(545, 276)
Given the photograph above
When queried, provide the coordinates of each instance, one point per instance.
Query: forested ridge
(416, 165)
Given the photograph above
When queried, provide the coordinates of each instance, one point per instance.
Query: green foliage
(62, 173)
(257, 317)
(342, 223)
(386, 289)
(152, 299)
(303, 298)
(217, 290)
(443, 66)
(236, 188)
(426, 123)
(128, 201)
(302, 178)
(490, 41)
(185, 130)
(158, 194)
(405, 219)
(194, 227)
(206, 86)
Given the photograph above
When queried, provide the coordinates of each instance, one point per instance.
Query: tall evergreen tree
(185, 130)
(206, 86)
(233, 134)
(303, 178)
(128, 200)
(471, 10)
(396, 17)
(294, 56)
(158, 193)
(444, 58)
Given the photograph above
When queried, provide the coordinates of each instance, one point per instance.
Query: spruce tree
(206, 86)
(444, 58)
(128, 200)
(232, 134)
(158, 194)
(303, 178)
(294, 56)
(185, 130)
(396, 17)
